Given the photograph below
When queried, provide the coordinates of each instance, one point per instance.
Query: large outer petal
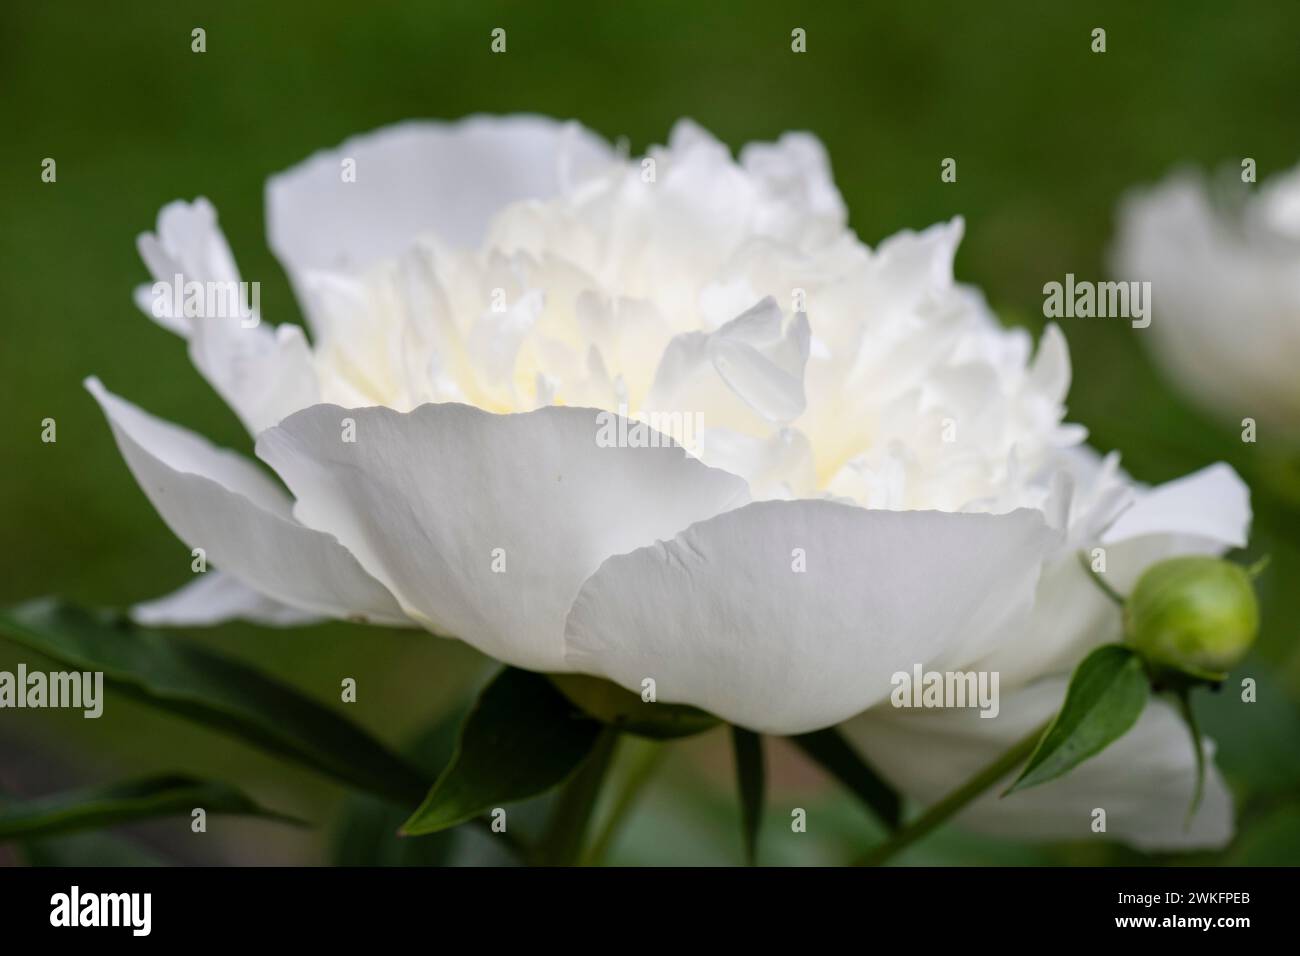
(416, 178)
(719, 618)
(214, 499)
(1143, 781)
(425, 499)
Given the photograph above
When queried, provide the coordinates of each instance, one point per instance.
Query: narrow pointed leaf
(212, 690)
(125, 802)
(748, 747)
(1105, 698)
(522, 738)
(829, 750)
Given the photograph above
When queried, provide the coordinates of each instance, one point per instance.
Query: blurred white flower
(883, 474)
(1224, 263)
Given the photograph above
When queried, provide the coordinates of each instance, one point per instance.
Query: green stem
(1106, 589)
(565, 830)
(1184, 698)
(949, 805)
(750, 783)
(637, 778)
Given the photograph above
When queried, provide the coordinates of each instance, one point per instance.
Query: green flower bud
(1195, 615)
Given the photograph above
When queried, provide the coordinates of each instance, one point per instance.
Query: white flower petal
(262, 372)
(417, 178)
(1223, 278)
(215, 500)
(431, 500)
(763, 362)
(1213, 503)
(1049, 375)
(213, 598)
(744, 376)
(1143, 781)
(798, 188)
(720, 618)
(1071, 615)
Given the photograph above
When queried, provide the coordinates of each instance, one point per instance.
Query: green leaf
(124, 803)
(216, 691)
(522, 738)
(748, 747)
(1105, 698)
(829, 750)
(626, 711)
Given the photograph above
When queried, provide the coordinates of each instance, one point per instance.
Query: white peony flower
(1225, 278)
(881, 474)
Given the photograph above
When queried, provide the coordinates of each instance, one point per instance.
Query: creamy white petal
(721, 617)
(213, 598)
(1143, 781)
(745, 376)
(218, 501)
(420, 177)
(798, 189)
(484, 526)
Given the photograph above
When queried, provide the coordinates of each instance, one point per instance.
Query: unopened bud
(1194, 615)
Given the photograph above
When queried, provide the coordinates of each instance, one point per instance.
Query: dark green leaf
(748, 747)
(126, 802)
(832, 752)
(1105, 698)
(213, 690)
(626, 711)
(522, 738)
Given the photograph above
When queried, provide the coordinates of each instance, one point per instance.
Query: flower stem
(561, 844)
(1183, 696)
(949, 805)
(1106, 589)
(637, 777)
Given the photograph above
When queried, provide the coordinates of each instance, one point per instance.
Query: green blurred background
(1047, 136)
